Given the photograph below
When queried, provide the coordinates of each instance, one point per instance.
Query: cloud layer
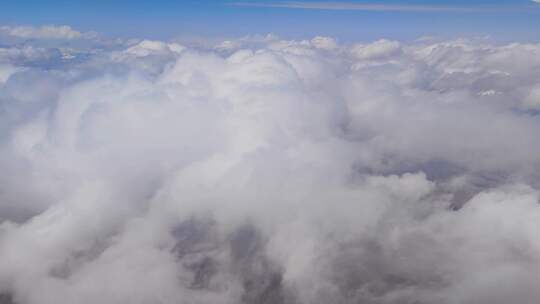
(43, 32)
(373, 6)
(264, 170)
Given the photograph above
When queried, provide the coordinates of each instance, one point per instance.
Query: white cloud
(149, 47)
(532, 99)
(43, 32)
(264, 170)
(353, 6)
(380, 49)
(327, 43)
(6, 70)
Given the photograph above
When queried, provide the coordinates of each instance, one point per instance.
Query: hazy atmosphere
(269, 152)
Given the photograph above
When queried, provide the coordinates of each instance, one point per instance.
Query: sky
(347, 20)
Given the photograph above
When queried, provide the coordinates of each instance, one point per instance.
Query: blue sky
(346, 20)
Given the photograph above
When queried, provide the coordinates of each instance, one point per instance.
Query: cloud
(43, 32)
(351, 6)
(327, 43)
(148, 47)
(378, 49)
(50, 33)
(6, 70)
(263, 170)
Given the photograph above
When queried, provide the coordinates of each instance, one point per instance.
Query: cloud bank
(264, 170)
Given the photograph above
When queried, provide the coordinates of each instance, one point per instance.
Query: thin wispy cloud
(348, 6)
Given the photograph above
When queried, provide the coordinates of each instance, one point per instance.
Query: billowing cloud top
(264, 170)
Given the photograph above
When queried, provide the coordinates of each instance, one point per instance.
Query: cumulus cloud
(324, 43)
(380, 49)
(149, 47)
(263, 170)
